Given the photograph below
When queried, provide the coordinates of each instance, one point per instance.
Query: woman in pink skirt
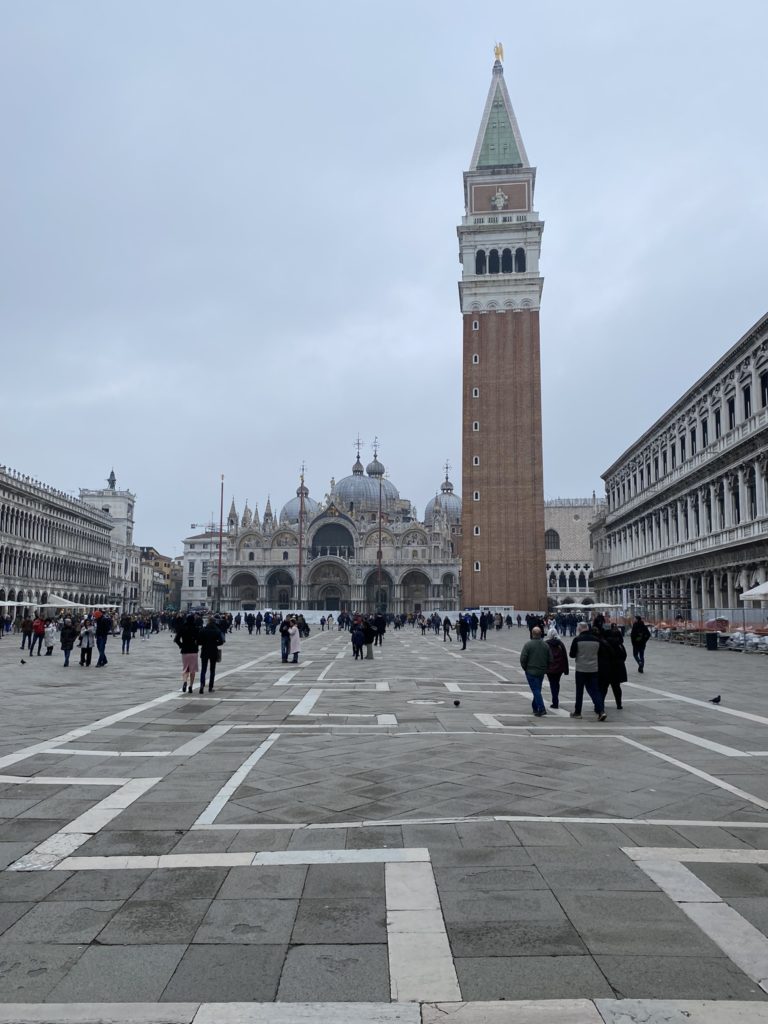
(188, 640)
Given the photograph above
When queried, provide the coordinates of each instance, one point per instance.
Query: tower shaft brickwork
(503, 557)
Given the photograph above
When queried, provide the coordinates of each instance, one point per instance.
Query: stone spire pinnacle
(499, 142)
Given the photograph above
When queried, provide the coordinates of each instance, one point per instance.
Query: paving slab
(358, 920)
(98, 1013)
(669, 1011)
(678, 977)
(523, 1011)
(530, 977)
(248, 921)
(345, 973)
(28, 971)
(119, 974)
(140, 922)
(229, 973)
(67, 922)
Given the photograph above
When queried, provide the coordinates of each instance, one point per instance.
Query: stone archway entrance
(415, 591)
(244, 590)
(280, 590)
(379, 597)
(329, 588)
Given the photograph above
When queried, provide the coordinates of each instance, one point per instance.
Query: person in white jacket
(51, 636)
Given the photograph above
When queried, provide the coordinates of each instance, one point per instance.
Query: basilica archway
(414, 590)
(244, 590)
(279, 589)
(329, 588)
(333, 539)
(379, 597)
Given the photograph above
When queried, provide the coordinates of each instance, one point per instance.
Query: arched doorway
(280, 589)
(414, 589)
(244, 591)
(329, 588)
(379, 597)
(449, 590)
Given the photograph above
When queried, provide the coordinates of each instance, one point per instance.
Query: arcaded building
(503, 558)
(324, 555)
(685, 528)
(570, 563)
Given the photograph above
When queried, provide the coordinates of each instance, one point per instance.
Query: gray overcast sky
(228, 232)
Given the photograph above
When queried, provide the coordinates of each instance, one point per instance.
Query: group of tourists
(599, 657)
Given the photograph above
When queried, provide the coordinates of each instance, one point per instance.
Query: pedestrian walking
(535, 659)
(612, 667)
(126, 634)
(188, 641)
(639, 635)
(463, 631)
(558, 665)
(584, 650)
(87, 643)
(38, 632)
(358, 639)
(103, 632)
(211, 640)
(447, 630)
(26, 633)
(67, 637)
(51, 634)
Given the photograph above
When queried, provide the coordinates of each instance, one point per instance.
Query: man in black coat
(639, 635)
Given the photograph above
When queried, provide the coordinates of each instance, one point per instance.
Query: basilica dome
(360, 491)
(449, 503)
(291, 509)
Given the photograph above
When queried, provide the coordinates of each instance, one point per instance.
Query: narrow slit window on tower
(477, 567)
(476, 531)
(520, 260)
(476, 425)
(475, 359)
(476, 496)
(475, 460)
(475, 325)
(475, 392)
(480, 261)
(506, 261)
(493, 261)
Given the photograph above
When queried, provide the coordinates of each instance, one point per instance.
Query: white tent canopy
(759, 593)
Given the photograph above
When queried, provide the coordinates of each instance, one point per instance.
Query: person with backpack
(558, 665)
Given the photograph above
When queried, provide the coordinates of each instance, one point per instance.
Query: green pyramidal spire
(499, 143)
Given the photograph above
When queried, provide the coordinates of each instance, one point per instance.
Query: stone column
(727, 503)
(704, 591)
(731, 588)
(759, 489)
(743, 496)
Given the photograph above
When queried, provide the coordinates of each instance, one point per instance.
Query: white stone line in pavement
(245, 665)
(325, 725)
(693, 855)
(711, 779)
(387, 720)
(59, 780)
(251, 858)
(210, 813)
(308, 1013)
(484, 819)
(393, 855)
(200, 742)
(76, 734)
(528, 1011)
(489, 721)
(340, 655)
(324, 673)
(71, 752)
(493, 672)
(739, 940)
(699, 741)
(286, 677)
(64, 842)
(708, 705)
(306, 703)
(420, 961)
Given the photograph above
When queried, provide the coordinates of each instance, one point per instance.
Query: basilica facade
(362, 548)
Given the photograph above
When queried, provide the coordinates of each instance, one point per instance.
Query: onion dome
(359, 491)
(292, 508)
(448, 502)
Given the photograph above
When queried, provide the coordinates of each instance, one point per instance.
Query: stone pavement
(395, 840)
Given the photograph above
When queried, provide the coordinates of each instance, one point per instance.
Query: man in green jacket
(534, 661)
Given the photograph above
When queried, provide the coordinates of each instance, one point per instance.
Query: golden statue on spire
(498, 52)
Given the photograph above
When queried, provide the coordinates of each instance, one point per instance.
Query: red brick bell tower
(503, 559)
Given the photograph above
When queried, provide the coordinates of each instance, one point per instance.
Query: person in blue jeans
(585, 650)
(534, 661)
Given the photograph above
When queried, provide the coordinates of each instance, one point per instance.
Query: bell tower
(503, 559)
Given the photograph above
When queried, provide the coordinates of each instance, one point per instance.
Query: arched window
(493, 261)
(552, 540)
(480, 261)
(285, 556)
(506, 261)
(520, 260)
(562, 582)
(250, 556)
(582, 581)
